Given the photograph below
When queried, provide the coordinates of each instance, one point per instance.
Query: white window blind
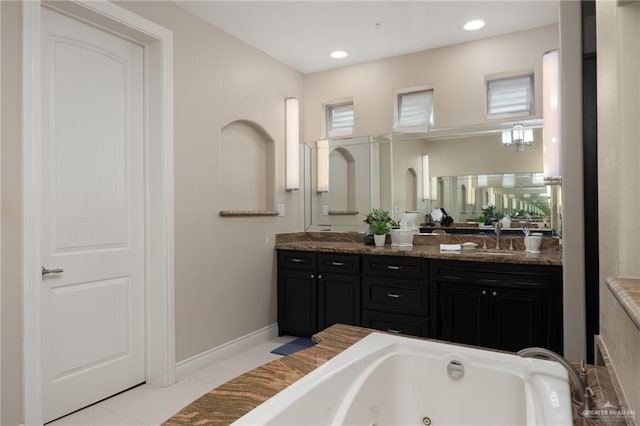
(415, 109)
(510, 96)
(340, 119)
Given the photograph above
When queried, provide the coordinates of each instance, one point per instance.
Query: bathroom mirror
(467, 169)
(523, 196)
(345, 179)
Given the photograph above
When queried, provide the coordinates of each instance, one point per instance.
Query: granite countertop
(627, 292)
(230, 401)
(426, 246)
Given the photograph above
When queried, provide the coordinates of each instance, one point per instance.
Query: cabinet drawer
(401, 296)
(397, 267)
(299, 260)
(496, 275)
(398, 324)
(339, 263)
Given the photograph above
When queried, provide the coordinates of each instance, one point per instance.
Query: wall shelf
(248, 213)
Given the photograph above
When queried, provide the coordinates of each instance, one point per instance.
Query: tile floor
(151, 405)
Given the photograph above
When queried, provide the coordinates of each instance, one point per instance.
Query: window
(414, 109)
(511, 96)
(340, 119)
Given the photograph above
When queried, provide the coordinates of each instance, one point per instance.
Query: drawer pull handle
(391, 330)
(451, 277)
(394, 295)
(394, 268)
(294, 260)
(337, 263)
(495, 293)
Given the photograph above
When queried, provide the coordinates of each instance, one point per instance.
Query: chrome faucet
(582, 394)
(497, 227)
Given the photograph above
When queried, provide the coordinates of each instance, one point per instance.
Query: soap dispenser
(506, 222)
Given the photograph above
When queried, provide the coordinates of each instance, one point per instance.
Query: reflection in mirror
(524, 197)
(339, 200)
(411, 174)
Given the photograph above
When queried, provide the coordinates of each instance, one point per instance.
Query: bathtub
(392, 380)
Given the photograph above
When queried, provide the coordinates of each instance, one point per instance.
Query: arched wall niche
(247, 165)
(411, 190)
(342, 169)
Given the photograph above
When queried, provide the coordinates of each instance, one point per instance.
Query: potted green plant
(382, 220)
(489, 215)
(380, 231)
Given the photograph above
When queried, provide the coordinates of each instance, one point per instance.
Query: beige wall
(457, 74)
(618, 176)
(218, 79)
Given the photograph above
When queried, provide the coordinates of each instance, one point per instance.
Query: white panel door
(92, 214)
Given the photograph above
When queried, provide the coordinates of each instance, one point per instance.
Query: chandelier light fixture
(517, 136)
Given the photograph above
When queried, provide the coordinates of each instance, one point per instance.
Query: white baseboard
(190, 365)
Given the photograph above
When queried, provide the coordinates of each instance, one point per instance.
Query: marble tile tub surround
(427, 246)
(609, 384)
(230, 401)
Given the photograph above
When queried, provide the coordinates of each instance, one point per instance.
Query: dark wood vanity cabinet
(395, 294)
(317, 290)
(500, 306)
(494, 305)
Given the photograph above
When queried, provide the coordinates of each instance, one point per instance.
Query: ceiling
(303, 33)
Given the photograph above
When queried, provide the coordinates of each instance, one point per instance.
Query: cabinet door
(297, 300)
(338, 300)
(517, 319)
(464, 314)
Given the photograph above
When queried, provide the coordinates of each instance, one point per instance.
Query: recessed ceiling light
(476, 24)
(339, 54)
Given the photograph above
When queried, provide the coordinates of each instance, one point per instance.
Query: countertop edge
(518, 258)
(627, 292)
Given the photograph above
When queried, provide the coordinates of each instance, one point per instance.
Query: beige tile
(152, 405)
(97, 416)
(220, 372)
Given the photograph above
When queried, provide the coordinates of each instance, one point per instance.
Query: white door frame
(159, 215)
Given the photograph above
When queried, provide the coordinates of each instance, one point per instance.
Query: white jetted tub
(393, 380)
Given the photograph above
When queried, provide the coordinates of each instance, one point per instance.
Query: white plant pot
(379, 240)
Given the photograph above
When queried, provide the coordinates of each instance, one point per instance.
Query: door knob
(46, 271)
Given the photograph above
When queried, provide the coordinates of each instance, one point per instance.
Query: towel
(450, 247)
